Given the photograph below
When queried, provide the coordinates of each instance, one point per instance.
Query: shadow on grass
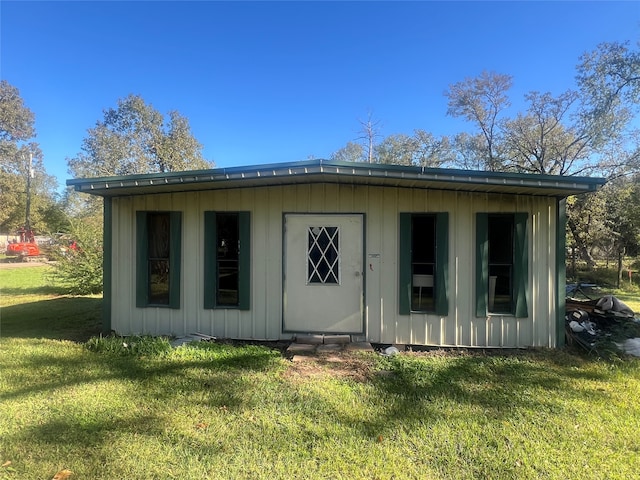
(497, 387)
(74, 432)
(87, 415)
(33, 290)
(65, 318)
(155, 377)
(416, 392)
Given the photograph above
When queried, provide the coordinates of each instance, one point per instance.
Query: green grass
(32, 306)
(137, 409)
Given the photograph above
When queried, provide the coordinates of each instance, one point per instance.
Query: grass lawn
(138, 409)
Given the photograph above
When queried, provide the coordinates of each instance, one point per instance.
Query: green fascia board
(107, 265)
(564, 185)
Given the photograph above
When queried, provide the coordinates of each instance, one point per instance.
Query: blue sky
(277, 82)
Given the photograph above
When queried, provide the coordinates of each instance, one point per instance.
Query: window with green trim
(501, 264)
(226, 258)
(158, 253)
(424, 263)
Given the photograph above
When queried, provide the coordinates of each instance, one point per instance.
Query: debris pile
(602, 325)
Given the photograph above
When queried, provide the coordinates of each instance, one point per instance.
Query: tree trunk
(620, 257)
(581, 245)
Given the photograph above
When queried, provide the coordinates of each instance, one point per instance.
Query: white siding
(381, 207)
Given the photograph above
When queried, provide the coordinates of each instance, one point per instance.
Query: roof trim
(318, 171)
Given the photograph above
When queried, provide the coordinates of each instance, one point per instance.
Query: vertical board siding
(373, 265)
(381, 207)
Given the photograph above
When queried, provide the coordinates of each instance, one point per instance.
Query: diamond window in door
(323, 255)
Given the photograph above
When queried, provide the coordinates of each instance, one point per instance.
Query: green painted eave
(327, 171)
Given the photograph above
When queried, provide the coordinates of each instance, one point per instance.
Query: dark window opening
(158, 264)
(227, 259)
(423, 262)
(501, 263)
(158, 259)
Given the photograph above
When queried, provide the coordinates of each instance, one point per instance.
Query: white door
(323, 274)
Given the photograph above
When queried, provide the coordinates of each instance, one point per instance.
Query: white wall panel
(381, 208)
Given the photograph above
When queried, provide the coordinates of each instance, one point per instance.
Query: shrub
(78, 269)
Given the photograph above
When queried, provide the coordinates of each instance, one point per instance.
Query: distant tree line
(132, 138)
(591, 130)
(586, 131)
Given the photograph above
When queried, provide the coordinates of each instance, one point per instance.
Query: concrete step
(318, 338)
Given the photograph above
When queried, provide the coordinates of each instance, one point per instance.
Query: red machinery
(26, 249)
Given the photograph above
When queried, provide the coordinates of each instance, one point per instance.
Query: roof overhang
(326, 171)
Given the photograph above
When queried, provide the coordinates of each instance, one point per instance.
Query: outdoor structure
(383, 253)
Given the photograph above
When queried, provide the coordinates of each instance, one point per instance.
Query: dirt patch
(340, 363)
(356, 366)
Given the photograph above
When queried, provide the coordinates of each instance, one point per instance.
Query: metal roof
(327, 171)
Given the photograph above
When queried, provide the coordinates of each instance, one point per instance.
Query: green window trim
(442, 264)
(482, 264)
(142, 253)
(520, 265)
(441, 276)
(244, 261)
(404, 291)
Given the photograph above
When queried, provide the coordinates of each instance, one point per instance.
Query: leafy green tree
(431, 151)
(464, 151)
(421, 149)
(15, 118)
(395, 149)
(42, 198)
(548, 138)
(609, 91)
(621, 155)
(351, 152)
(621, 199)
(585, 131)
(136, 138)
(545, 140)
(609, 85)
(16, 128)
(22, 168)
(609, 82)
(586, 216)
(481, 101)
(132, 138)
